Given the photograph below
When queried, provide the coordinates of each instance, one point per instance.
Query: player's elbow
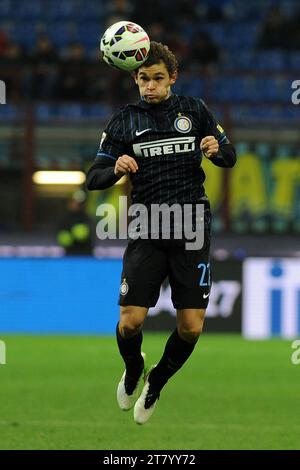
(94, 179)
(231, 157)
(232, 161)
(90, 181)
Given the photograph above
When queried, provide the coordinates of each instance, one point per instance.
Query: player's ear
(134, 76)
(173, 78)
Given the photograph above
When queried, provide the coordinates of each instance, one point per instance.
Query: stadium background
(242, 59)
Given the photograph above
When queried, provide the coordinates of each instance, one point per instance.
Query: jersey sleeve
(226, 156)
(212, 126)
(112, 143)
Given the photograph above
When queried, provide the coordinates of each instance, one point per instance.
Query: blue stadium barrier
(62, 296)
(71, 112)
(10, 112)
(271, 114)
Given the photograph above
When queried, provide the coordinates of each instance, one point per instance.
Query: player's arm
(215, 145)
(125, 164)
(106, 171)
(112, 161)
(101, 174)
(220, 154)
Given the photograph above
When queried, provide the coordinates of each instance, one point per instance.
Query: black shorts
(147, 263)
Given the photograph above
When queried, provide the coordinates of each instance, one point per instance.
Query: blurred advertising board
(79, 296)
(271, 298)
(224, 309)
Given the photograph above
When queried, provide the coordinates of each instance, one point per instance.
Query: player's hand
(125, 164)
(209, 146)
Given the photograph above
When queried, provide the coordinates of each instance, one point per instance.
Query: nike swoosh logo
(137, 133)
(206, 295)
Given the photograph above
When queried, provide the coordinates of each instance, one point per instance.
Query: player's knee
(190, 333)
(129, 329)
(130, 324)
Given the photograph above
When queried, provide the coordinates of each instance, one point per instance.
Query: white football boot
(146, 403)
(126, 401)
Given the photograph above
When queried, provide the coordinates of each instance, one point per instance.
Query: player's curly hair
(161, 53)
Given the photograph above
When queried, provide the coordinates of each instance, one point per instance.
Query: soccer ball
(125, 45)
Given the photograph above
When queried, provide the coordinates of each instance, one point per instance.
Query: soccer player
(160, 142)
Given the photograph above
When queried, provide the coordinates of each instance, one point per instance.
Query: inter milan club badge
(183, 124)
(124, 287)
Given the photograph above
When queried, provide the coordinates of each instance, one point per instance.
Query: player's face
(154, 82)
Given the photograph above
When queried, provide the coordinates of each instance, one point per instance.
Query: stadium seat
(271, 60)
(5, 9)
(294, 61)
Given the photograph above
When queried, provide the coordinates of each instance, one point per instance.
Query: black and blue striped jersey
(164, 139)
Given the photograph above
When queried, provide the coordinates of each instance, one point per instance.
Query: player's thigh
(190, 321)
(144, 269)
(190, 277)
(190, 273)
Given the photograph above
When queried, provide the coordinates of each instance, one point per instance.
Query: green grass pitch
(59, 393)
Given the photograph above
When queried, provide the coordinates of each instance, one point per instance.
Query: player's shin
(176, 353)
(130, 350)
